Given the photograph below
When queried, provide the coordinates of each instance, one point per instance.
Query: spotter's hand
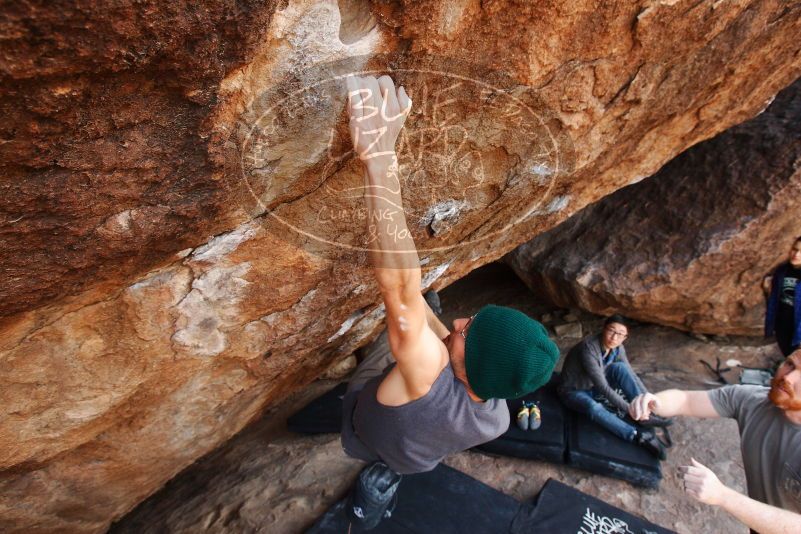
(641, 407)
(702, 484)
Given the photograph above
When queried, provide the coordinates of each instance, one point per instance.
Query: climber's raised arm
(377, 114)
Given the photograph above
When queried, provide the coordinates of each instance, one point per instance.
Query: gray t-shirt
(770, 444)
(416, 436)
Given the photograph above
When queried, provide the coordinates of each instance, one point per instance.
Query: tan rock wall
(156, 297)
(687, 247)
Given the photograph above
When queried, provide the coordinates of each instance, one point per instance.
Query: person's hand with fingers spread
(641, 407)
(702, 484)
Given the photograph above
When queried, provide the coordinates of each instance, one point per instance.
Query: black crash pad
(445, 500)
(323, 415)
(548, 443)
(560, 509)
(441, 500)
(564, 437)
(569, 437)
(595, 449)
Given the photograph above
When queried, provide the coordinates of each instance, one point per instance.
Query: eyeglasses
(466, 326)
(615, 333)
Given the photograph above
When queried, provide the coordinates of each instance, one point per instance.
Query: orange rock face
(181, 221)
(687, 247)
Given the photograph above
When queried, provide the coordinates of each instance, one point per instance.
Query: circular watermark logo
(479, 153)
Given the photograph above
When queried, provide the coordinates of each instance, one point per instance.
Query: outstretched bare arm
(377, 114)
(703, 485)
(672, 402)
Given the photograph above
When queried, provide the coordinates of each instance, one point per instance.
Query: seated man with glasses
(594, 373)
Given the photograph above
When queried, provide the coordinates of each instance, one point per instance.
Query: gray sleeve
(728, 401)
(592, 366)
(624, 358)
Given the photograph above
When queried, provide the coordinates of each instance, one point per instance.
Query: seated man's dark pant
(619, 377)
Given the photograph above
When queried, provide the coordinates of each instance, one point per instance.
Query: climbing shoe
(370, 500)
(523, 416)
(656, 421)
(648, 439)
(534, 417)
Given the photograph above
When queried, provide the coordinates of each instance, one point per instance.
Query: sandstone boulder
(180, 213)
(687, 247)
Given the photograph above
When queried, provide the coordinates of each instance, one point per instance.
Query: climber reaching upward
(422, 391)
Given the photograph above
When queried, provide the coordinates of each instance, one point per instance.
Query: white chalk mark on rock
(441, 216)
(540, 169)
(208, 307)
(224, 244)
(559, 203)
(432, 275)
(346, 325)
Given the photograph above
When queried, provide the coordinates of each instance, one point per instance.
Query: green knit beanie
(507, 354)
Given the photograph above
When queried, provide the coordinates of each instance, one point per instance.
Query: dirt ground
(267, 479)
